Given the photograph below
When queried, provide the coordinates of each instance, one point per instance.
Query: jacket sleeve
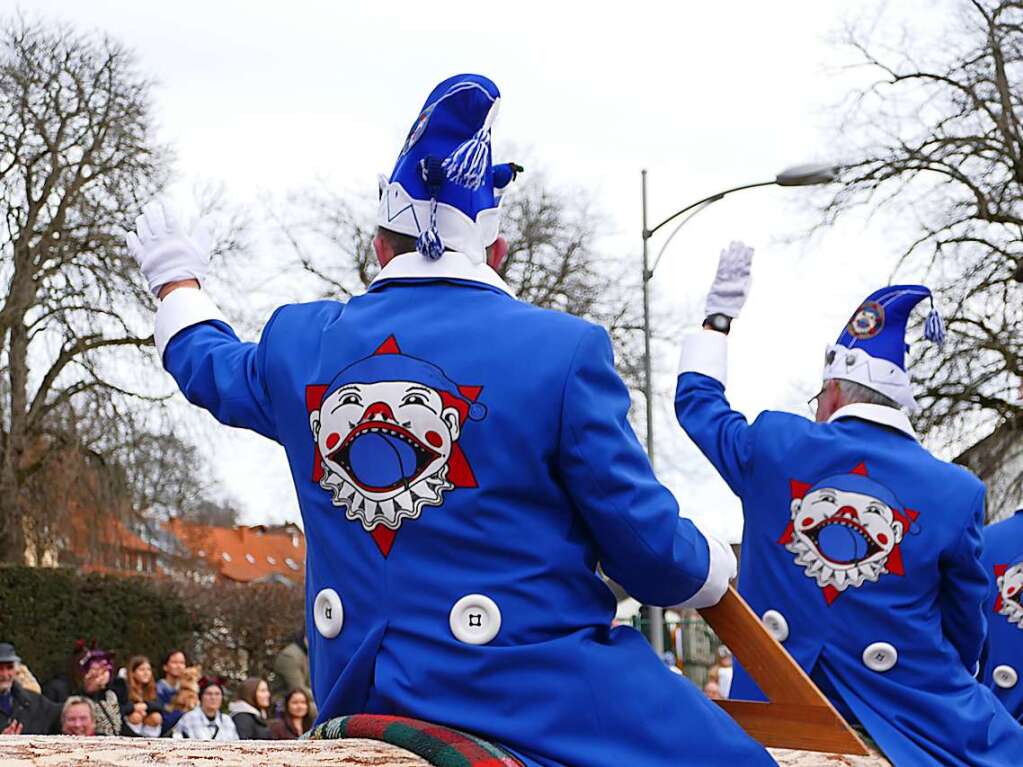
(213, 369)
(964, 589)
(722, 434)
(656, 555)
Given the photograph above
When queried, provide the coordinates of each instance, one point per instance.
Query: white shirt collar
(452, 265)
(886, 416)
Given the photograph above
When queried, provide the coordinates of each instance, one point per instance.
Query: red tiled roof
(245, 554)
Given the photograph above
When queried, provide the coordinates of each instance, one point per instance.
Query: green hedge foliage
(44, 610)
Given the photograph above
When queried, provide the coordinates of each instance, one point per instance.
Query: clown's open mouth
(842, 540)
(381, 457)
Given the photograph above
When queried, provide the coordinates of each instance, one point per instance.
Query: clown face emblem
(843, 538)
(385, 449)
(1010, 591)
(386, 431)
(845, 531)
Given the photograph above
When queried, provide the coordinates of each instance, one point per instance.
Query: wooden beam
(797, 715)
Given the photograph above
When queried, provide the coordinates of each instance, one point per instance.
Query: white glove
(163, 249)
(722, 570)
(732, 281)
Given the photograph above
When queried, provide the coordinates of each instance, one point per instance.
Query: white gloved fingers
(134, 246)
(145, 232)
(170, 219)
(731, 281)
(153, 211)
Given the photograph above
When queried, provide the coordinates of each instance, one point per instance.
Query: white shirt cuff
(183, 308)
(706, 352)
(722, 570)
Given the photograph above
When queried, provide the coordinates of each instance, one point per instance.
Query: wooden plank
(794, 700)
(796, 726)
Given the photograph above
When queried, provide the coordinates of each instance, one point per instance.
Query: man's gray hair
(77, 700)
(855, 392)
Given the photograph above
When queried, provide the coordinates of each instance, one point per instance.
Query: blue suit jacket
(1003, 563)
(855, 537)
(463, 461)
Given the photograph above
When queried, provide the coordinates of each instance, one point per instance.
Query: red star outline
(460, 473)
(999, 572)
(893, 566)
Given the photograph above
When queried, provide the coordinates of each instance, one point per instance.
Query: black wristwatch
(722, 323)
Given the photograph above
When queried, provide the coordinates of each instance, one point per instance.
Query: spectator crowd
(97, 698)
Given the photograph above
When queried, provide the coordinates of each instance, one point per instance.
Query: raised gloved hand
(165, 252)
(732, 281)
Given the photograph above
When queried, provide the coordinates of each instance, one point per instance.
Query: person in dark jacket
(252, 710)
(22, 712)
(295, 717)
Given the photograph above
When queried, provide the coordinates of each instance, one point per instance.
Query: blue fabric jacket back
(1003, 656)
(462, 462)
(860, 552)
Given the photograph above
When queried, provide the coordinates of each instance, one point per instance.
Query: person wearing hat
(23, 712)
(1003, 652)
(860, 550)
(463, 462)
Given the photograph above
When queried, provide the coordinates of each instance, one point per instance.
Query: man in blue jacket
(463, 462)
(1003, 656)
(860, 551)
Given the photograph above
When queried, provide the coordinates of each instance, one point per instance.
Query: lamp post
(797, 175)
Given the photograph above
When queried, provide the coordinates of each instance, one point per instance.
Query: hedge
(43, 611)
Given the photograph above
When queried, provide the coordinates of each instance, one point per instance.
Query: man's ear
(383, 250)
(496, 253)
(314, 424)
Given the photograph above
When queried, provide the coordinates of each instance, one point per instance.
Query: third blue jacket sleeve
(722, 434)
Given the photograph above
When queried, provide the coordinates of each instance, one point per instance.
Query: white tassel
(467, 165)
(934, 328)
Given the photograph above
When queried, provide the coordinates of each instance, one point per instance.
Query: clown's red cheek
(332, 439)
(808, 521)
(882, 539)
(434, 438)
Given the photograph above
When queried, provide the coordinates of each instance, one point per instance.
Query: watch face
(719, 322)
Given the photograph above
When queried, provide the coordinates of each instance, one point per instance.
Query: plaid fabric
(440, 746)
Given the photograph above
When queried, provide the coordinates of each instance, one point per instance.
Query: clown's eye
(413, 399)
(351, 399)
(826, 498)
(875, 509)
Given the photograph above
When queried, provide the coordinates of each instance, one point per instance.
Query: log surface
(58, 751)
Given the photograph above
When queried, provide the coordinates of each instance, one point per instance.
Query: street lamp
(797, 175)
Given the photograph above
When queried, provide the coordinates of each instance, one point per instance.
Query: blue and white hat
(871, 349)
(444, 189)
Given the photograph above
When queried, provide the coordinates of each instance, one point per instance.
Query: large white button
(1005, 676)
(776, 625)
(475, 619)
(328, 613)
(880, 657)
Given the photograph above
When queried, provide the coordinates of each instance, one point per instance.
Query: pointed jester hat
(444, 190)
(871, 350)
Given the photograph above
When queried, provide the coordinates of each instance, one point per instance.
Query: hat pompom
(429, 243)
(934, 328)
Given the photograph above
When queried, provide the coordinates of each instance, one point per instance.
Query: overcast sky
(268, 97)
